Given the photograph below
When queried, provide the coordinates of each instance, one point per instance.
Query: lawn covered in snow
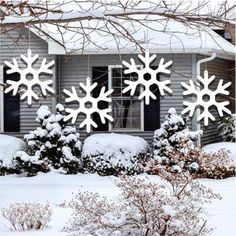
(56, 188)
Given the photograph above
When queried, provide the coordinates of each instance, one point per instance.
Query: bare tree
(123, 22)
(119, 19)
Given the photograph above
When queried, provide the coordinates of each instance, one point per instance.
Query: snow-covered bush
(216, 165)
(53, 145)
(173, 143)
(8, 147)
(228, 128)
(27, 216)
(113, 154)
(173, 207)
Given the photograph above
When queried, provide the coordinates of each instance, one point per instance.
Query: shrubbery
(228, 128)
(173, 144)
(53, 145)
(27, 216)
(175, 151)
(114, 154)
(173, 207)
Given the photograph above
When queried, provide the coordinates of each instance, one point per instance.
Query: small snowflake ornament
(88, 99)
(206, 98)
(29, 77)
(141, 81)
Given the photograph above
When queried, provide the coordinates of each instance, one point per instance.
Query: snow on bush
(174, 149)
(230, 148)
(8, 147)
(216, 165)
(53, 145)
(113, 154)
(173, 207)
(172, 143)
(27, 216)
(228, 128)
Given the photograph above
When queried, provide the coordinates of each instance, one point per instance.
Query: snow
(185, 39)
(26, 158)
(54, 188)
(118, 145)
(214, 147)
(43, 112)
(68, 154)
(8, 147)
(176, 38)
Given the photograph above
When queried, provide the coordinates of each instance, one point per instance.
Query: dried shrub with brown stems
(27, 216)
(171, 207)
(189, 158)
(217, 165)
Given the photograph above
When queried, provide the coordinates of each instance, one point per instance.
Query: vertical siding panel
(219, 68)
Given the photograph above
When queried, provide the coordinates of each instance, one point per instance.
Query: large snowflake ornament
(29, 77)
(88, 105)
(206, 98)
(152, 80)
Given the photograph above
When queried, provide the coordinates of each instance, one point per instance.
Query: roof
(158, 34)
(176, 38)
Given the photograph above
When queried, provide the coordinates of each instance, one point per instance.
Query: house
(74, 63)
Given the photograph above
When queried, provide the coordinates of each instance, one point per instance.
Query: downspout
(198, 73)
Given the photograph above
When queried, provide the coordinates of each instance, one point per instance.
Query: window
(11, 106)
(127, 111)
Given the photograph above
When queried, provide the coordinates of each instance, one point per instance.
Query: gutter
(198, 73)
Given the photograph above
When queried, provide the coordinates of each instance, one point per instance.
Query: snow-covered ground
(56, 188)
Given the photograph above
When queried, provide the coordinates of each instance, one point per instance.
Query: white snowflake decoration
(207, 102)
(146, 84)
(83, 105)
(25, 73)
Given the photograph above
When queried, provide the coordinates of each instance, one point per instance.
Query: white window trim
(110, 67)
(1, 100)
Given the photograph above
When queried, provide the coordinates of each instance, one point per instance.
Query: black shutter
(100, 75)
(11, 106)
(152, 111)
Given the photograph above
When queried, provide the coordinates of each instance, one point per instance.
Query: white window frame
(1, 100)
(110, 67)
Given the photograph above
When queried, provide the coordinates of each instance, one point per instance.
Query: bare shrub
(27, 216)
(217, 165)
(173, 207)
(189, 158)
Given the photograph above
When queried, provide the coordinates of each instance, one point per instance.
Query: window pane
(126, 114)
(118, 78)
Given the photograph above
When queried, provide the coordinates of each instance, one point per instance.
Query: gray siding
(11, 46)
(75, 69)
(219, 68)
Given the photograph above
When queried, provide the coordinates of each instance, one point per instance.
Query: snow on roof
(176, 38)
(158, 34)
